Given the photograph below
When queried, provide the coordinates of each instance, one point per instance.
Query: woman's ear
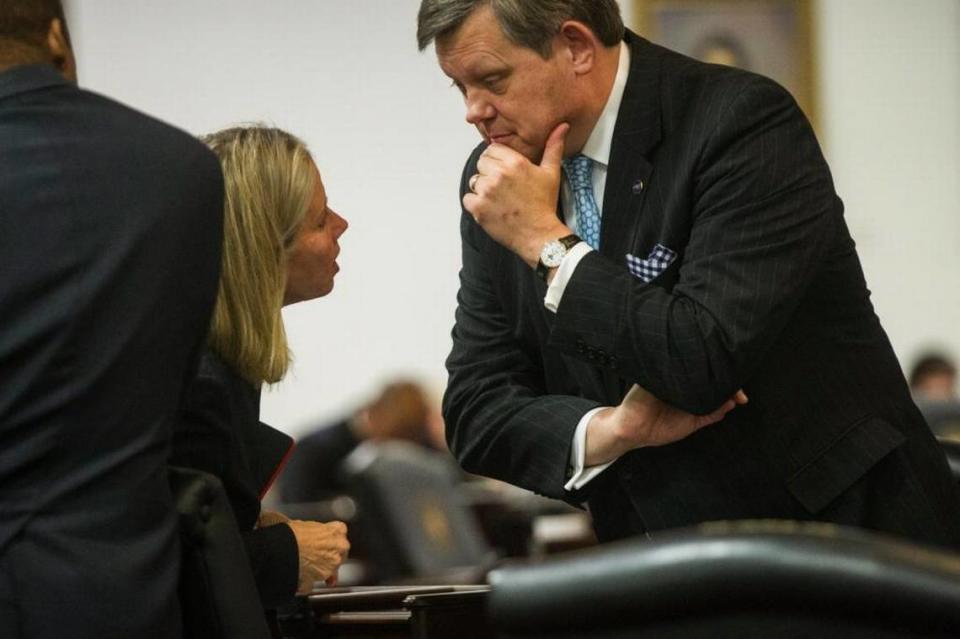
(61, 53)
(580, 45)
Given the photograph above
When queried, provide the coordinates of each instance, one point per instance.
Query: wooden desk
(415, 612)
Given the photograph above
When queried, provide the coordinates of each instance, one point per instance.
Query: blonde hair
(269, 182)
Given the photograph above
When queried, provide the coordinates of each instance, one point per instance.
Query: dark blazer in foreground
(110, 234)
(766, 293)
(219, 431)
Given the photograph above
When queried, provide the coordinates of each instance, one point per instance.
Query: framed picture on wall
(770, 37)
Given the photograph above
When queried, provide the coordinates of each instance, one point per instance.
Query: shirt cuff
(563, 275)
(581, 476)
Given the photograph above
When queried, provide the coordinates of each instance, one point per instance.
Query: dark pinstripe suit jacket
(766, 293)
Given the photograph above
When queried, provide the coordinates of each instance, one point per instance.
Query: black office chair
(943, 417)
(218, 594)
(412, 516)
(737, 579)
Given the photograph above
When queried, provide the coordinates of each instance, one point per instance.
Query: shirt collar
(26, 78)
(598, 144)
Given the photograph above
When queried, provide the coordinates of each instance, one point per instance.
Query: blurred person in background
(933, 382)
(401, 411)
(933, 377)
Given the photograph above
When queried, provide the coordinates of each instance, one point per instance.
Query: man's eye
(492, 81)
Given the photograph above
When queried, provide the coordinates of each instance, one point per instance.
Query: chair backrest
(943, 417)
(737, 579)
(218, 594)
(951, 448)
(413, 514)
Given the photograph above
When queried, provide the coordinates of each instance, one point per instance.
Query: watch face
(552, 253)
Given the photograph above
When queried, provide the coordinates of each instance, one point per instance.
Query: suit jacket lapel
(635, 135)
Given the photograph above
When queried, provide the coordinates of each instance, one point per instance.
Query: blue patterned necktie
(579, 170)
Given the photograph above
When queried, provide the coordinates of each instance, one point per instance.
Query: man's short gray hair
(528, 23)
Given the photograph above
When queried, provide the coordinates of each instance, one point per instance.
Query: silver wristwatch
(553, 253)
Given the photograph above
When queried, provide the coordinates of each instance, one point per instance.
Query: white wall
(890, 88)
(388, 134)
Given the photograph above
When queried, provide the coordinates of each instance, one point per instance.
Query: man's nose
(479, 109)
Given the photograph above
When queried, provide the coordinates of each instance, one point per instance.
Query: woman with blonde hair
(280, 247)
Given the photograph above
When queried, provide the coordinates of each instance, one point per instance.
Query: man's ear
(580, 45)
(61, 53)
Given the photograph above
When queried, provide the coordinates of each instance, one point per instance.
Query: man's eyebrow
(486, 67)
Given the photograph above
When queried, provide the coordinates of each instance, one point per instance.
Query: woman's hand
(322, 548)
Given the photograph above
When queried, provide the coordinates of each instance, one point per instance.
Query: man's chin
(532, 153)
(515, 143)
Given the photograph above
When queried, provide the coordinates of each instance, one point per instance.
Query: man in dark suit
(110, 233)
(714, 258)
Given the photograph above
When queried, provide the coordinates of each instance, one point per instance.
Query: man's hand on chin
(515, 200)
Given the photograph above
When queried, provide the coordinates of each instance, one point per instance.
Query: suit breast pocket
(651, 267)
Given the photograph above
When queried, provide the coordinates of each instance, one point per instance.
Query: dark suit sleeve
(763, 214)
(274, 557)
(500, 423)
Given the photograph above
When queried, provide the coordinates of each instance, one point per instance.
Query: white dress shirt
(597, 148)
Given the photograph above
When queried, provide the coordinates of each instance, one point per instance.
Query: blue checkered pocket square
(647, 270)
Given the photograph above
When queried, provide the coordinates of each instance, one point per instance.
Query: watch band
(568, 242)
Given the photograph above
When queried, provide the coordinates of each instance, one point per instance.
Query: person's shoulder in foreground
(111, 228)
